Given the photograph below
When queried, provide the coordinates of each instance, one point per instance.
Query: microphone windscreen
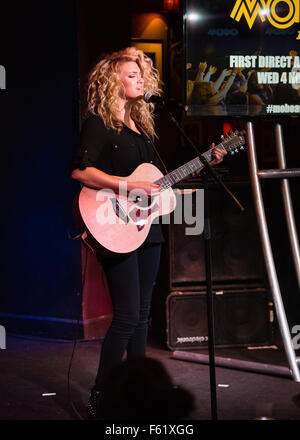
(147, 97)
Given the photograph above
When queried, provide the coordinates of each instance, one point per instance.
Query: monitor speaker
(241, 318)
(235, 243)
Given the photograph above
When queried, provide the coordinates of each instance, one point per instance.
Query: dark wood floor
(34, 379)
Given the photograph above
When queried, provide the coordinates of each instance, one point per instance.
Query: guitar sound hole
(144, 202)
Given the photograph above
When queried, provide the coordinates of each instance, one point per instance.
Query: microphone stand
(207, 246)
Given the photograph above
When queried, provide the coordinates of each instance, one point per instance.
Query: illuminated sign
(266, 9)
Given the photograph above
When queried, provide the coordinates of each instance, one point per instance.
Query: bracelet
(243, 80)
(234, 75)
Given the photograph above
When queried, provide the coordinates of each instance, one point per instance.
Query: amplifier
(235, 244)
(241, 318)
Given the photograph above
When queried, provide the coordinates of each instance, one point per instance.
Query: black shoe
(93, 406)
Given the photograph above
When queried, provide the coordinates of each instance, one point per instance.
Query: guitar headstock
(234, 141)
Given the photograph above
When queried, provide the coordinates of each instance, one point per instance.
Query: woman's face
(132, 80)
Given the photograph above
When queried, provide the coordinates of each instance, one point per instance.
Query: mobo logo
(282, 19)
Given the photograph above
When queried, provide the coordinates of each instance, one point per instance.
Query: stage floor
(33, 367)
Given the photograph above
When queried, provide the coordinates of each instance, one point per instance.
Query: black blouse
(115, 153)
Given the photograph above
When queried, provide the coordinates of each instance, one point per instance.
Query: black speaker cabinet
(241, 318)
(235, 243)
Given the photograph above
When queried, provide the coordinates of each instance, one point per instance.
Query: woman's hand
(140, 189)
(218, 154)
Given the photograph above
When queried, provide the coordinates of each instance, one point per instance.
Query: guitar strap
(154, 148)
(159, 157)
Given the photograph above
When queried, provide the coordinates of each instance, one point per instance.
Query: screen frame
(276, 117)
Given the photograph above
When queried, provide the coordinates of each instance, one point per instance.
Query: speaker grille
(241, 318)
(235, 244)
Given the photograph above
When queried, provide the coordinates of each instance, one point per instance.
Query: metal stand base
(237, 364)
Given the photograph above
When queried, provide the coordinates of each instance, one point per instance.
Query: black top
(115, 153)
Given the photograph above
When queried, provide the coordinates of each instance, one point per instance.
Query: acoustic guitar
(118, 223)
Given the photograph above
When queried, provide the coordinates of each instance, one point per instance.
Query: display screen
(242, 58)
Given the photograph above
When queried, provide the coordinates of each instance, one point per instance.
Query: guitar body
(115, 223)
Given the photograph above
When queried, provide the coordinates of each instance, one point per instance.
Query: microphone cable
(70, 401)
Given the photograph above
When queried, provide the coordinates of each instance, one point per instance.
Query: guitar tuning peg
(242, 147)
(222, 136)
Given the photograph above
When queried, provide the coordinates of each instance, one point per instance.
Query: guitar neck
(185, 170)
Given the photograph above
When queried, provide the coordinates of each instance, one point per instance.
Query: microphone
(151, 97)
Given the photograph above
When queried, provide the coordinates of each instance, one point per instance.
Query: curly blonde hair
(105, 88)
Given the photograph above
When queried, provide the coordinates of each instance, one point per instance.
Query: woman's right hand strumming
(137, 189)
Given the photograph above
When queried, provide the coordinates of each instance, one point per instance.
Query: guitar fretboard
(184, 171)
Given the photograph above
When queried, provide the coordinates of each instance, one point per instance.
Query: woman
(116, 137)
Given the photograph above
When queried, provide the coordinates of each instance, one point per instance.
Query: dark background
(47, 50)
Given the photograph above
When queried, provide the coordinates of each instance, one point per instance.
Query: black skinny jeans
(130, 280)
